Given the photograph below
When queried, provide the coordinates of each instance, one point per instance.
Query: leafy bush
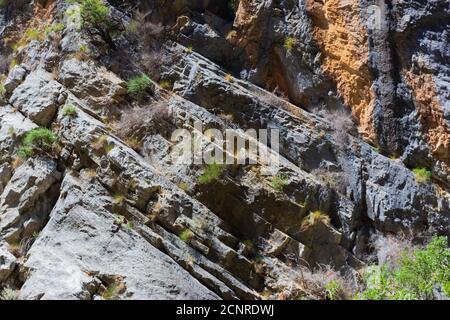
(418, 275)
(212, 172)
(37, 141)
(423, 175)
(137, 86)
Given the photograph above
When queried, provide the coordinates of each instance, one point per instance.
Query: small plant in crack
(69, 111)
(37, 141)
(314, 218)
(279, 182)
(423, 175)
(186, 235)
(211, 173)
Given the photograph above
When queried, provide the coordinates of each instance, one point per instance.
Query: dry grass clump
(342, 123)
(324, 283)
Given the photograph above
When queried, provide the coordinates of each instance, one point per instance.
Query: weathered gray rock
(28, 198)
(15, 77)
(7, 263)
(98, 86)
(37, 97)
(13, 126)
(82, 225)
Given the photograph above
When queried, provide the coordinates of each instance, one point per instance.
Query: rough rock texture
(360, 91)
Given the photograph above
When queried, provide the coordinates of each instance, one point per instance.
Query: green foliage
(416, 277)
(2, 89)
(37, 141)
(69, 111)
(423, 175)
(186, 235)
(137, 86)
(279, 182)
(211, 173)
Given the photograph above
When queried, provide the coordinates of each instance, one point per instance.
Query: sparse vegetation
(211, 173)
(136, 123)
(423, 175)
(37, 141)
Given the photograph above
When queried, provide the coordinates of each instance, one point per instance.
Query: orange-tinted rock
(342, 38)
(431, 115)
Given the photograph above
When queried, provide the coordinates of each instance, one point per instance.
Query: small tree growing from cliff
(95, 19)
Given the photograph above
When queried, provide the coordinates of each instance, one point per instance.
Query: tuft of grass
(119, 199)
(279, 182)
(183, 186)
(186, 235)
(211, 173)
(2, 90)
(423, 175)
(166, 85)
(289, 44)
(314, 218)
(189, 49)
(37, 141)
(69, 111)
(137, 86)
(228, 77)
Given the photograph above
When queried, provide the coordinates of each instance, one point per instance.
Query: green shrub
(212, 172)
(37, 141)
(137, 86)
(279, 182)
(416, 277)
(423, 175)
(69, 111)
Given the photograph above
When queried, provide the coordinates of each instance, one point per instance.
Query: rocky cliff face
(360, 91)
